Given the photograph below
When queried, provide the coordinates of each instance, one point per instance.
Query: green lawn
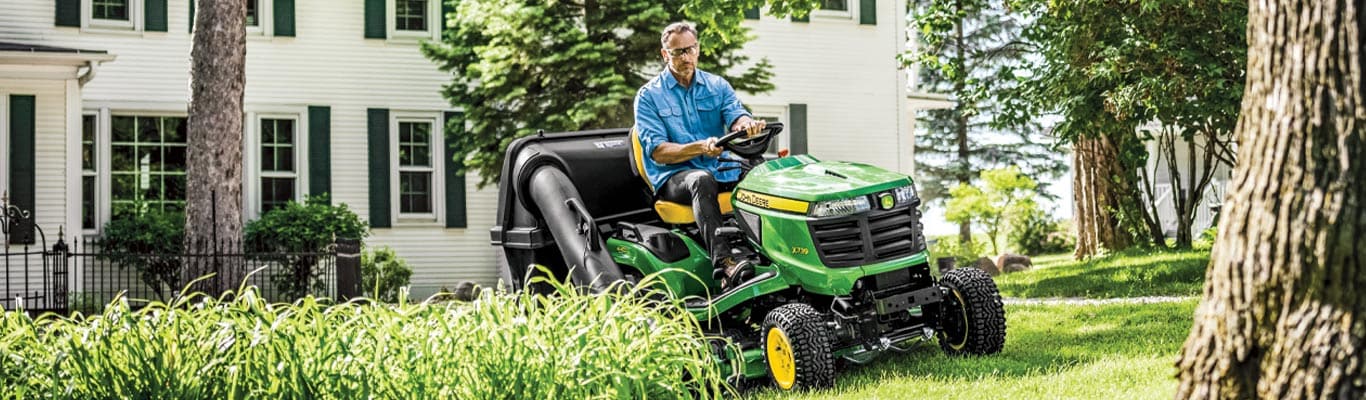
(1132, 273)
(1112, 351)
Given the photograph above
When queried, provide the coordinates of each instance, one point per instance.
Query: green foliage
(296, 234)
(970, 49)
(1006, 195)
(383, 273)
(1110, 351)
(149, 241)
(519, 67)
(1130, 273)
(1036, 233)
(1206, 239)
(570, 346)
(964, 254)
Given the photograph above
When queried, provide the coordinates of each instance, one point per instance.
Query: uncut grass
(1113, 351)
(568, 346)
(1133, 273)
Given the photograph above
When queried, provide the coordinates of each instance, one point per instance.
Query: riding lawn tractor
(839, 265)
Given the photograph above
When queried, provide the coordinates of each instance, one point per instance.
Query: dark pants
(698, 188)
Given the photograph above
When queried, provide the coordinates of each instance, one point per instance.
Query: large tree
(1108, 68)
(1283, 316)
(213, 211)
(970, 49)
(519, 66)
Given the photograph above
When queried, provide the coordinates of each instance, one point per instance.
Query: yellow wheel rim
(781, 363)
(967, 326)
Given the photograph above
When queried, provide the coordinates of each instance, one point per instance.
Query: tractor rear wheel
(797, 348)
(972, 317)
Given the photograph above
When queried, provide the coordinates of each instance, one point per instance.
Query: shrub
(295, 233)
(383, 273)
(149, 241)
(964, 255)
(1036, 234)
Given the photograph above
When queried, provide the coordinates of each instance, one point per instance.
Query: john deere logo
(886, 201)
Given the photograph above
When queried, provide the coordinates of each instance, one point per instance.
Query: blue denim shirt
(668, 112)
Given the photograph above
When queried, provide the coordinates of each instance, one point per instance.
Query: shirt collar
(671, 82)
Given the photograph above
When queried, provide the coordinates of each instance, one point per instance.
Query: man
(679, 115)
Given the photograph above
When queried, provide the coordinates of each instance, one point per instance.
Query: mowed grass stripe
(1133, 273)
(1120, 351)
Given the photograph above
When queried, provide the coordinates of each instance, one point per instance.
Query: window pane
(149, 130)
(88, 202)
(415, 192)
(285, 159)
(267, 131)
(840, 5)
(284, 131)
(122, 128)
(275, 192)
(253, 18)
(414, 144)
(109, 9)
(410, 15)
(149, 158)
(174, 186)
(173, 129)
(88, 142)
(122, 157)
(174, 160)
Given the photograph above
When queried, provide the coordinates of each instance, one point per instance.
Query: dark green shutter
(155, 13)
(374, 19)
(21, 166)
(284, 18)
(320, 151)
(191, 28)
(447, 8)
(455, 182)
(69, 13)
(804, 18)
(377, 122)
(797, 129)
(752, 13)
(867, 12)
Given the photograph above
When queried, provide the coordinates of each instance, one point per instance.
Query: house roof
(39, 55)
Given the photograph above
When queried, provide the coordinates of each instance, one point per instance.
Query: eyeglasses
(682, 51)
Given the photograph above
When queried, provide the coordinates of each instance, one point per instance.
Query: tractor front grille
(868, 238)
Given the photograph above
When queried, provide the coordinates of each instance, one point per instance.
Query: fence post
(59, 255)
(348, 269)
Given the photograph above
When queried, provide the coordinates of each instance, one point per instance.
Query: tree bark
(1282, 311)
(965, 178)
(213, 215)
(1096, 170)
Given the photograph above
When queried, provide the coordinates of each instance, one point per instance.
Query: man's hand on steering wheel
(752, 127)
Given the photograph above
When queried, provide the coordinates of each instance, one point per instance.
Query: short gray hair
(677, 27)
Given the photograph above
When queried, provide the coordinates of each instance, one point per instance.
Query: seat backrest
(638, 159)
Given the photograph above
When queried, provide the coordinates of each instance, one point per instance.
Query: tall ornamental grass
(568, 346)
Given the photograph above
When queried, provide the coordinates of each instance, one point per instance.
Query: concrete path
(1085, 301)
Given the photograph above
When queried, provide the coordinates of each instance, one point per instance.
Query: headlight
(907, 195)
(840, 207)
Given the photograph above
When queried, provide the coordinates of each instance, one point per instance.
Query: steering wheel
(739, 143)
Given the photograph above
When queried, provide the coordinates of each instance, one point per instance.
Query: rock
(1013, 263)
(466, 291)
(985, 264)
(946, 264)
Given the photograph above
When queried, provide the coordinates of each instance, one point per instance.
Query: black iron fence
(83, 276)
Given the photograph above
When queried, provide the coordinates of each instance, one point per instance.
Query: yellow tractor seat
(669, 212)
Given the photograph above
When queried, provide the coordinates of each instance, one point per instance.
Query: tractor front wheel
(972, 317)
(797, 348)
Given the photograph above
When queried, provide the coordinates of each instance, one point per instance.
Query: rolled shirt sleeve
(731, 108)
(649, 125)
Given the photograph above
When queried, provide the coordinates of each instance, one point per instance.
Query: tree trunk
(213, 214)
(959, 85)
(1282, 315)
(1096, 168)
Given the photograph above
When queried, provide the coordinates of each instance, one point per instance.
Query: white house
(97, 92)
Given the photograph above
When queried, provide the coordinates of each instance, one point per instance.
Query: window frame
(851, 9)
(437, 182)
(101, 162)
(107, 171)
(264, 19)
(407, 36)
(134, 23)
(4, 146)
(252, 190)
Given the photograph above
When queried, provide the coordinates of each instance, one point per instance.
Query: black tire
(811, 364)
(972, 317)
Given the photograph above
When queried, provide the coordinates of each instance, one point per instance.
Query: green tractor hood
(805, 178)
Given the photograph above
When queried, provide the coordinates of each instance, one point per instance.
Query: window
(253, 12)
(833, 9)
(89, 172)
(835, 5)
(147, 164)
(415, 167)
(279, 162)
(116, 10)
(113, 14)
(410, 15)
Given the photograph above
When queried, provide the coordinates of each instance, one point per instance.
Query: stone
(985, 264)
(1013, 263)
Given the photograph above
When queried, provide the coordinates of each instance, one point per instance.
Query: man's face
(681, 53)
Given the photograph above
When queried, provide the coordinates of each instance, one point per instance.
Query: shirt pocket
(709, 110)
